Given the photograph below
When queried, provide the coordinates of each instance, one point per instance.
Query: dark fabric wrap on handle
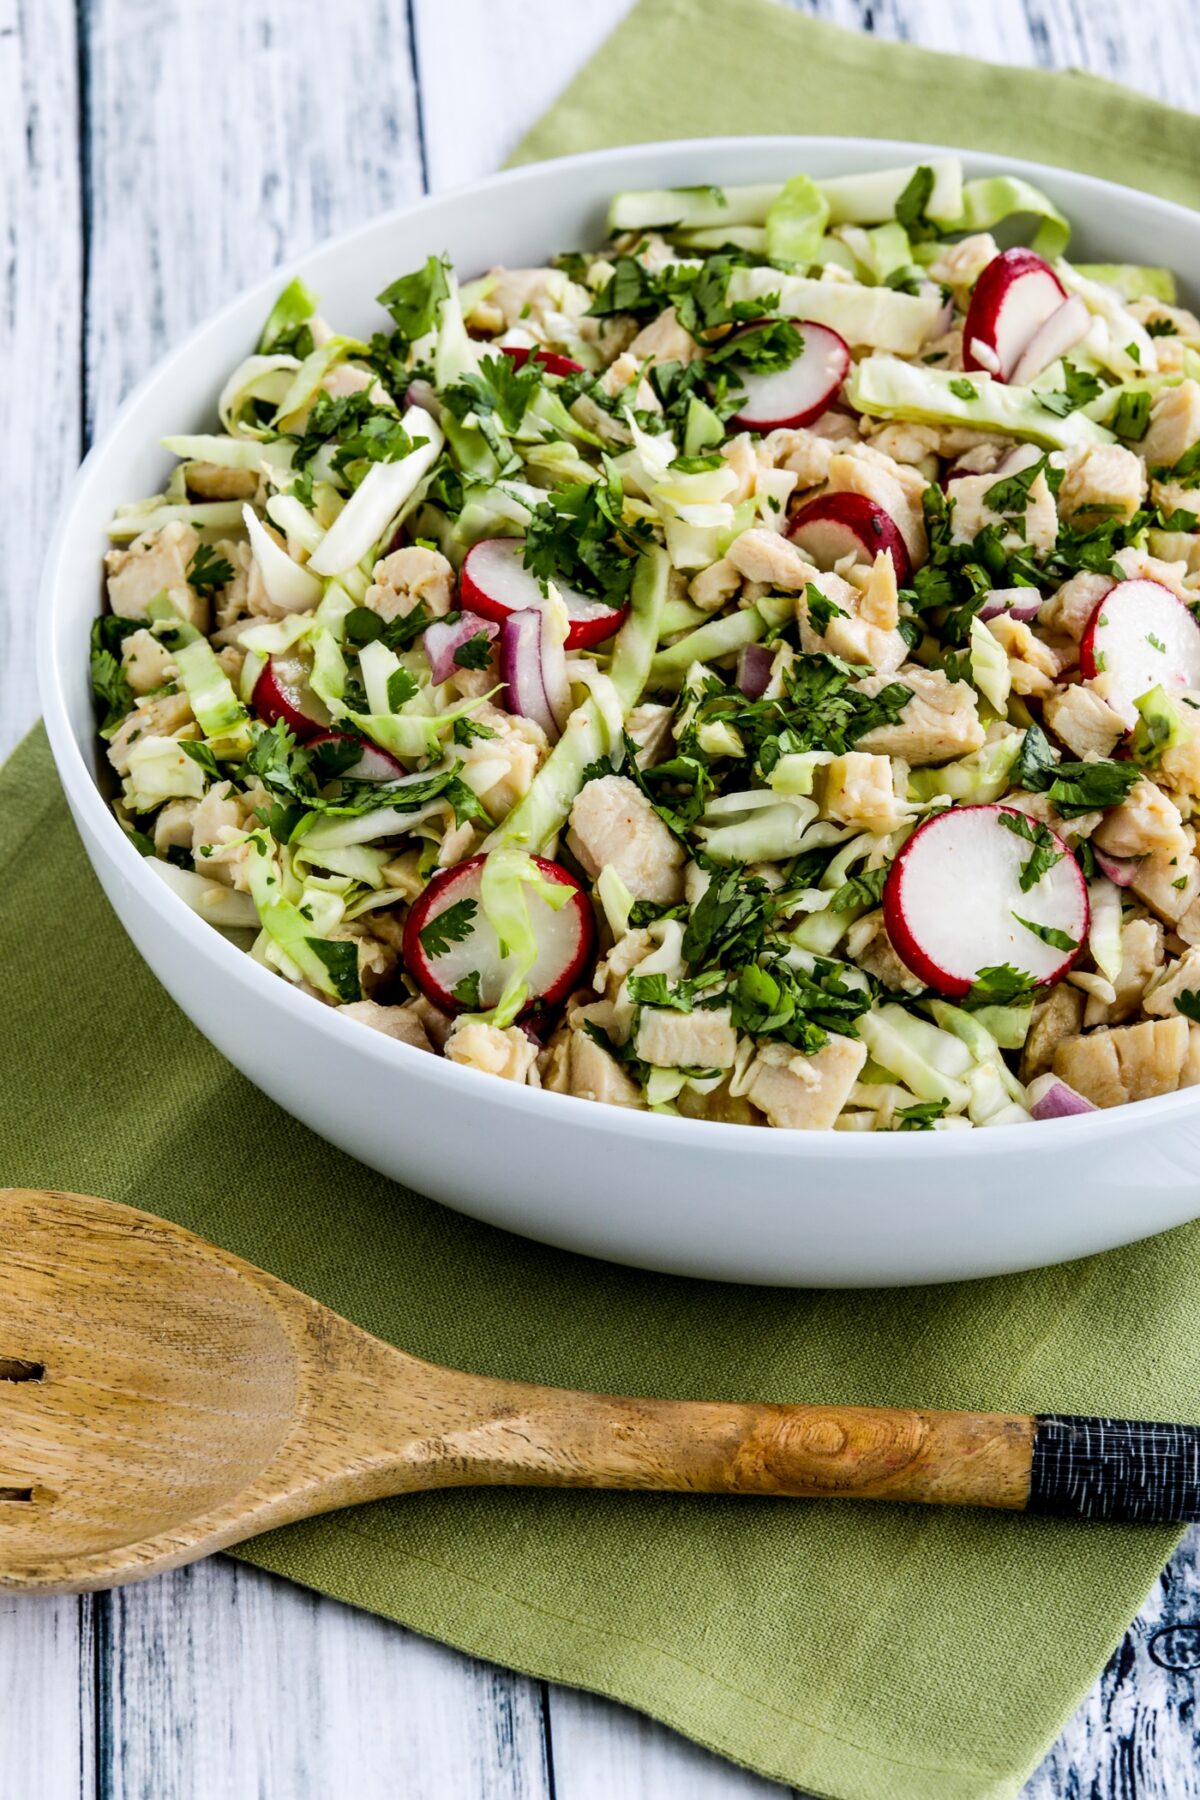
(1115, 1469)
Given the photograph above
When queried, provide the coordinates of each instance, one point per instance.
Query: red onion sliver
(423, 394)
(1005, 600)
(1121, 870)
(521, 669)
(442, 640)
(1051, 1098)
(754, 670)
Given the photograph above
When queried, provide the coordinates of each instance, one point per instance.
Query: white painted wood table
(155, 155)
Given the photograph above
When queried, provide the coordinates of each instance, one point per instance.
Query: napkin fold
(851, 1650)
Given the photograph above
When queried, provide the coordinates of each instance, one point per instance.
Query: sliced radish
(551, 361)
(282, 692)
(564, 939)
(1141, 636)
(800, 393)
(495, 582)
(1064, 328)
(953, 903)
(838, 525)
(442, 641)
(372, 764)
(1013, 298)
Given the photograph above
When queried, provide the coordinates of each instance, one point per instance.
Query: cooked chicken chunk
(1036, 526)
(500, 768)
(765, 556)
(1141, 959)
(1058, 1016)
(1101, 479)
(1148, 820)
(168, 716)
(1168, 884)
(593, 1074)
(859, 791)
(664, 340)
(1087, 725)
(1179, 979)
(1133, 1062)
(804, 1093)
(156, 563)
(214, 481)
(696, 1040)
(508, 1052)
(613, 822)
(941, 720)
(1069, 610)
(409, 578)
(399, 1022)
(1174, 425)
(146, 662)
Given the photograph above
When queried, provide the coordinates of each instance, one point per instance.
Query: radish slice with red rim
(551, 361)
(1014, 297)
(838, 525)
(1140, 636)
(442, 641)
(495, 582)
(369, 762)
(953, 903)
(800, 393)
(282, 691)
(1061, 332)
(444, 962)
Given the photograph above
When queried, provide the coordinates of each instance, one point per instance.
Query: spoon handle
(1051, 1464)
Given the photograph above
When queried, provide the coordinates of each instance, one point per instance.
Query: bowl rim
(199, 938)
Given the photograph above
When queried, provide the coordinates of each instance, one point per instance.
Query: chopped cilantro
(413, 300)
(1131, 416)
(821, 609)
(450, 926)
(207, 571)
(401, 688)
(998, 985)
(1049, 934)
(910, 207)
(966, 390)
(921, 1117)
(860, 890)
(1045, 852)
(466, 991)
(1188, 1003)
(578, 538)
(109, 682)
(475, 653)
(340, 957)
(202, 754)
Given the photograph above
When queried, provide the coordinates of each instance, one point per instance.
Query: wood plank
(40, 310)
(227, 1681)
(47, 1728)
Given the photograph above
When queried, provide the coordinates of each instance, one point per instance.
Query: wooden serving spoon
(160, 1399)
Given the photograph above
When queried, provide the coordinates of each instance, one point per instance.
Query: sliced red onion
(754, 670)
(1018, 603)
(522, 671)
(442, 640)
(424, 394)
(1121, 870)
(1051, 1098)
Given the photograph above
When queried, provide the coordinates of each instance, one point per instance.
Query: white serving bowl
(723, 1201)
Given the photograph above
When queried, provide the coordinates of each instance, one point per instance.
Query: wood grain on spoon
(160, 1399)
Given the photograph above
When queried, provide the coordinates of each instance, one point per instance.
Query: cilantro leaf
(413, 300)
(821, 609)
(466, 991)
(1131, 416)
(654, 990)
(1035, 766)
(476, 653)
(998, 985)
(966, 390)
(207, 571)
(578, 538)
(1049, 934)
(202, 754)
(860, 890)
(340, 957)
(1084, 787)
(910, 207)
(450, 926)
(109, 682)
(401, 688)
(1045, 851)
(920, 1117)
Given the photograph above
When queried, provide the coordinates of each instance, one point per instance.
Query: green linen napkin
(851, 1650)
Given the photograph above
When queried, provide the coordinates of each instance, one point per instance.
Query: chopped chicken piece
(1032, 664)
(941, 720)
(593, 1074)
(665, 340)
(500, 769)
(1179, 766)
(626, 954)
(168, 716)
(408, 578)
(804, 1093)
(1070, 609)
(859, 791)
(805, 454)
(762, 555)
(861, 470)
(508, 1052)
(1168, 884)
(871, 948)
(1177, 979)
(156, 563)
(613, 822)
(880, 605)
(1148, 820)
(1087, 725)
(712, 587)
(649, 727)
(1037, 526)
(245, 592)
(1174, 425)
(1132, 1062)
(146, 662)
(399, 1022)
(214, 481)
(544, 303)
(1141, 959)
(960, 265)
(1101, 479)
(1154, 312)
(1058, 1016)
(173, 826)
(696, 1040)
